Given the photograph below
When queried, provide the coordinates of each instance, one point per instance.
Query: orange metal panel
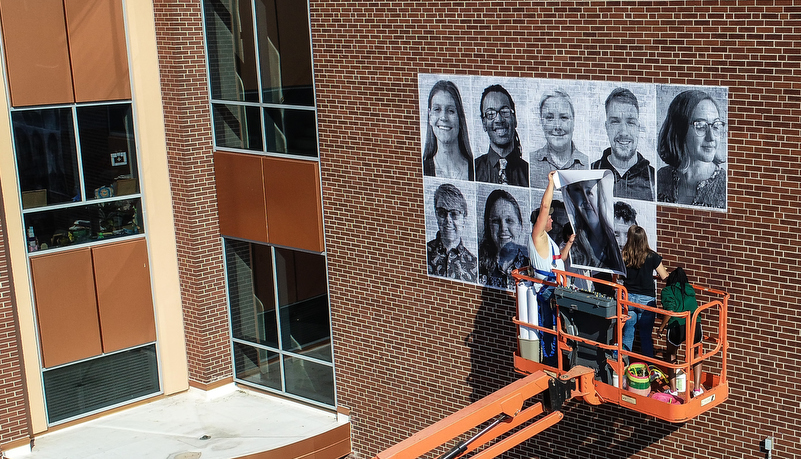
(37, 55)
(97, 47)
(66, 308)
(294, 206)
(124, 299)
(241, 205)
(333, 444)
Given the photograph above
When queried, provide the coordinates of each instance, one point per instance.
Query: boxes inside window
(35, 198)
(124, 186)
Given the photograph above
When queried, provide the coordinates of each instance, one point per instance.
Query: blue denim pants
(642, 319)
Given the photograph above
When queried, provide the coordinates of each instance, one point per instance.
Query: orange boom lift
(585, 366)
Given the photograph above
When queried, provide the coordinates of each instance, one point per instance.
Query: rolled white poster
(522, 308)
(533, 309)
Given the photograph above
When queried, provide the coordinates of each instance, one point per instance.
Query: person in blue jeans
(641, 262)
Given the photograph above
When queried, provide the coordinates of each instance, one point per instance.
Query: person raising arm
(543, 251)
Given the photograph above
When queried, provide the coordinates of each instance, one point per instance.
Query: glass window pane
(285, 52)
(88, 386)
(46, 158)
(250, 290)
(311, 380)
(302, 274)
(303, 296)
(255, 274)
(291, 131)
(231, 50)
(108, 150)
(82, 224)
(236, 126)
(258, 366)
(305, 328)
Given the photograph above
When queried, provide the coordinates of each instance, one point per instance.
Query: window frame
(86, 200)
(280, 350)
(261, 105)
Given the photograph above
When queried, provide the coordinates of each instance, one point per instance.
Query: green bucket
(638, 376)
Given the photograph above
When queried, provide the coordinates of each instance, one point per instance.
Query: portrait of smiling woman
(558, 119)
(447, 151)
(502, 247)
(690, 144)
(447, 254)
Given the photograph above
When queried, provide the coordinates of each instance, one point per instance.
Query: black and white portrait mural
(590, 207)
(488, 144)
(451, 229)
(503, 233)
(692, 146)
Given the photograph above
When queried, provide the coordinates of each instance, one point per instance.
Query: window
(280, 321)
(78, 175)
(90, 386)
(260, 75)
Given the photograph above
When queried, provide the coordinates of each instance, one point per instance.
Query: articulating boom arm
(505, 409)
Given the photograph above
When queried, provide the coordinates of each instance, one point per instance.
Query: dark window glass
(257, 274)
(46, 158)
(291, 131)
(49, 150)
(285, 52)
(95, 384)
(309, 379)
(252, 303)
(303, 298)
(108, 150)
(258, 366)
(231, 50)
(237, 126)
(78, 225)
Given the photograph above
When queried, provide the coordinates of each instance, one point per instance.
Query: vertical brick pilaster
(179, 34)
(14, 418)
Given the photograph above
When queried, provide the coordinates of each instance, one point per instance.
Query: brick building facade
(408, 349)
(414, 348)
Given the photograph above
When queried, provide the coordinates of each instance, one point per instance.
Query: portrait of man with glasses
(692, 143)
(557, 118)
(503, 163)
(447, 254)
(634, 175)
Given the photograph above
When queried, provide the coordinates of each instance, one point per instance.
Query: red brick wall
(14, 420)
(187, 116)
(411, 349)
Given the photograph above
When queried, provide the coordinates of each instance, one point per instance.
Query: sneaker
(674, 393)
(697, 392)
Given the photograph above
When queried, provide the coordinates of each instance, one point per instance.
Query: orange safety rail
(715, 385)
(505, 407)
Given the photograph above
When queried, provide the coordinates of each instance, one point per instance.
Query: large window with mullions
(78, 174)
(260, 75)
(281, 334)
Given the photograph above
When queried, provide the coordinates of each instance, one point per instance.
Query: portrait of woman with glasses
(557, 118)
(690, 142)
(447, 254)
(447, 151)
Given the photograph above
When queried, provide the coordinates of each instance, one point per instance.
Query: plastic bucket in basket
(638, 377)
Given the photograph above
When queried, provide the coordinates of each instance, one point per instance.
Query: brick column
(14, 420)
(179, 34)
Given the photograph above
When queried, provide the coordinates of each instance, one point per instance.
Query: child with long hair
(641, 262)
